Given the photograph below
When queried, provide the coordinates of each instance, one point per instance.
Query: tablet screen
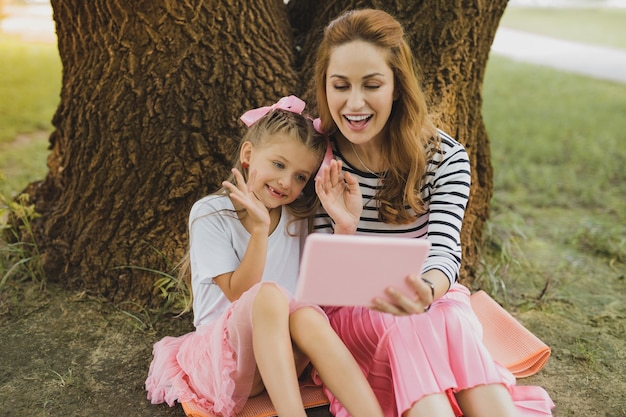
(351, 270)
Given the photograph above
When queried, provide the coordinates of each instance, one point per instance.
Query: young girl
(245, 243)
(422, 354)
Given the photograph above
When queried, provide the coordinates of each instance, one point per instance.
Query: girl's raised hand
(243, 193)
(340, 196)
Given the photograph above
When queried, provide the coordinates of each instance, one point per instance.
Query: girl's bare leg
(486, 400)
(431, 405)
(336, 366)
(273, 351)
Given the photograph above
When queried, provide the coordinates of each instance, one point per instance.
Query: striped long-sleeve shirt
(445, 193)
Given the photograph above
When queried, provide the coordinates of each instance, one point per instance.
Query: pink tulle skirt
(213, 366)
(408, 357)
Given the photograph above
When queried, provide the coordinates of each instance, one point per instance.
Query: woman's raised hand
(340, 196)
(243, 193)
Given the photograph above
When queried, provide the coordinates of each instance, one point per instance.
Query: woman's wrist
(439, 280)
(432, 292)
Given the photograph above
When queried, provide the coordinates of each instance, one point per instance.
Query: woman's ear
(245, 154)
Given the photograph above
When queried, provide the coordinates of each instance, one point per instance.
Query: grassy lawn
(557, 143)
(556, 138)
(558, 157)
(30, 84)
(597, 26)
(30, 76)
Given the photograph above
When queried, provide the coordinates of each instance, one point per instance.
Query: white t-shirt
(218, 242)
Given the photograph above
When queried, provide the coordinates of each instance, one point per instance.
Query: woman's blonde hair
(276, 122)
(413, 138)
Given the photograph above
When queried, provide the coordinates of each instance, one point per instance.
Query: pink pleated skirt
(408, 357)
(213, 366)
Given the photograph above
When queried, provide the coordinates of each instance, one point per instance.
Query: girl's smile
(283, 167)
(273, 191)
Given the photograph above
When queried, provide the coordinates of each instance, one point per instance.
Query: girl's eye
(279, 165)
(301, 178)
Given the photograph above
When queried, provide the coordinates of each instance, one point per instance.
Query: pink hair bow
(291, 103)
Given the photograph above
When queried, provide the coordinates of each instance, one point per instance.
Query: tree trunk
(148, 118)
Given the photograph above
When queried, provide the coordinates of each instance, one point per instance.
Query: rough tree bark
(148, 118)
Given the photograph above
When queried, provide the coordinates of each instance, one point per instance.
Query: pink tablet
(351, 270)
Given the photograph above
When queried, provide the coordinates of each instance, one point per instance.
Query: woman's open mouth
(358, 122)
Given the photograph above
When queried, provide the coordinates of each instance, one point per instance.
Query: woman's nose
(355, 101)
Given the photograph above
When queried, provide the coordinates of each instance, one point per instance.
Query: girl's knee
(271, 291)
(308, 315)
(309, 324)
(271, 298)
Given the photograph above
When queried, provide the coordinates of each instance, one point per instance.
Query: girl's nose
(284, 182)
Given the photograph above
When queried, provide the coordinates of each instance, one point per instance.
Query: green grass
(558, 215)
(559, 208)
(22, 162)
(30, 76)
(557, 139)
(597, 26)
(30, 84)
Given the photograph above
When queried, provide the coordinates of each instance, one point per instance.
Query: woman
(394, 173)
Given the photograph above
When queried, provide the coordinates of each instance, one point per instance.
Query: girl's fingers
(251, 179)
(241, 183)
(229, 186)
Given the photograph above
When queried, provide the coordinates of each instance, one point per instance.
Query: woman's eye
(340, 87)
(372, 86)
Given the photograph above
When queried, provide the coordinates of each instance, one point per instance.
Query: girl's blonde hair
(276, 122)
(413, 139)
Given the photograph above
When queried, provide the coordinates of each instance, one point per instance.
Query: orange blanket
(510, 343)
